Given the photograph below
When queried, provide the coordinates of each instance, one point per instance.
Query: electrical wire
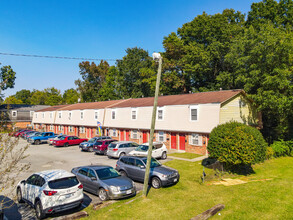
(54, 57)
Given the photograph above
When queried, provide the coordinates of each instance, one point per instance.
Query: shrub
(282, 148)
(270, 153)
(234, 143)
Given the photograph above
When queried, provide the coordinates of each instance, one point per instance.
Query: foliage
(234, 143)
(38, 97)
(282, 148)
(93, 77)
(7, 77)
(24, 95)
(12, 100)
(53, 96)
(270, 153)
(70, 96)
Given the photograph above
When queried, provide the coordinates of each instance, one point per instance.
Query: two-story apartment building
(183, 122)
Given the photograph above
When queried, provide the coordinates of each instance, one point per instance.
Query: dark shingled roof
(183, 99)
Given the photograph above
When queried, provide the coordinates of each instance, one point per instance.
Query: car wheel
(37, 142)
(156, 183)
(103, 194)
(164, 155)
(123, 173)
(66, 145)
(91, 149)
(121, 154)
(39, 210)
(19, 196)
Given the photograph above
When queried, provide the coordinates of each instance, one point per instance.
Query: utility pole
(157, 57)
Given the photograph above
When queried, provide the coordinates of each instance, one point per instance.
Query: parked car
(120, 148)
(105, 182)
(134, 168)
(36, 133)
(101, 146)
(159, 150)
(50, 191)
(102, 137)
(43, 137)
(88, 146)
(68, 140)
(50, 140)
(22, 135)
(17, 134)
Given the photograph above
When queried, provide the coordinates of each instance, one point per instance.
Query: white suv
(159, 150)
(50, 191)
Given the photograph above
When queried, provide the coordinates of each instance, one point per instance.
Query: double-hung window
(133, 113)
(14, 113)
(114, 132)
(160, 113)
(113, 114)
(69, 115)
(60, 114)
(134, 134)
(96, 115)
(51, 115)
(194, 113)
(195, 139)
(161, 136)
(81, 115)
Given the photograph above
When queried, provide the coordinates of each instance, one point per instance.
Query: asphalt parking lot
(46, 157)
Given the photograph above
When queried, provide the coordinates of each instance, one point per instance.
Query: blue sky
(90, 29)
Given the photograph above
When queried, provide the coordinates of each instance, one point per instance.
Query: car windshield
(40, 134)
(112, 145)
(99, 143)
(63, 183)
(92, 140)
(142, 148)
(154, 162)
(107, 173)
(62, 138)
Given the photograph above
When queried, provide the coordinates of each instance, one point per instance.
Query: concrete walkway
(190, 160)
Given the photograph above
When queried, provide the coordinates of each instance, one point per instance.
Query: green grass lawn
(272, 199)
(185, 155)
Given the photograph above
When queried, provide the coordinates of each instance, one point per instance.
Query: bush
(282, 148)
(234, 143)
(270, 153)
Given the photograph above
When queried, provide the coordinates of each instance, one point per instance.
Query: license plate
(175, 180)
(68, 195)
(128, 192)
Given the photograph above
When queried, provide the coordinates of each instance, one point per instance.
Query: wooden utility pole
(156, 56)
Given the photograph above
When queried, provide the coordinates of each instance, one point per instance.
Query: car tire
(91, 149)
(103, 194)
(123, 173)
(37, 142)
(156, 182)
(66, 145)
(39, 210)
(19, 195)
(164, 155)
(122, 154)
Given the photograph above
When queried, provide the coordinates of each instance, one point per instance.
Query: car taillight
(115, 149)
(80, 186)
(49, 193)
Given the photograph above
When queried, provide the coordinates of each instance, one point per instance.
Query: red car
(17, 134)
(68, 140)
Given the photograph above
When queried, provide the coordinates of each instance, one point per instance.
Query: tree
(93, 78)
(70, 96)
(237, 144)
(24, 95)
(12, 100)
(38, 97)
(53, 96)
(7, 77)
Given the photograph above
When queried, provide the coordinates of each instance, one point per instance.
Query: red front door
(182, 141)
(127, 135)
(173, 140)
(144, 137)
(122, 135)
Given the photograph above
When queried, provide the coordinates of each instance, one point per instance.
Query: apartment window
(96, 115)
(114, 133)
(134, 134)
(134, 114)
(36, 115)
(71, 129)
(195, 139)
(51, 115)
(14, 113)
(51, 127)
(82, 130)
(113, 114)
(69, 115)
(161, 136)
(31, 114)
(193, 113)
(59, 128)
(43, 115)
(81, 115)
(62, 128)
(160, 113)
(60, 114)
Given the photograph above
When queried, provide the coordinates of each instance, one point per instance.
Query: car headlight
(114, 188)
(133, 184)
(164, 176)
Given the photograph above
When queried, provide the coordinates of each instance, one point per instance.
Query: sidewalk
(190, 160)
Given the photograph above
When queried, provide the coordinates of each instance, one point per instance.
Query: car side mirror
(141, 167)
(93, 178)
(23, 182)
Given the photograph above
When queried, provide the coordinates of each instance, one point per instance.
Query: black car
(134, 168)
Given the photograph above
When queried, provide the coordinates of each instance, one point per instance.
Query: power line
(54, 57)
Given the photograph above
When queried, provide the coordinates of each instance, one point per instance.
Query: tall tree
(24, 95)
(53, 96)
(38, 97)
(12, 100)
(70, 96)
(93, 77)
